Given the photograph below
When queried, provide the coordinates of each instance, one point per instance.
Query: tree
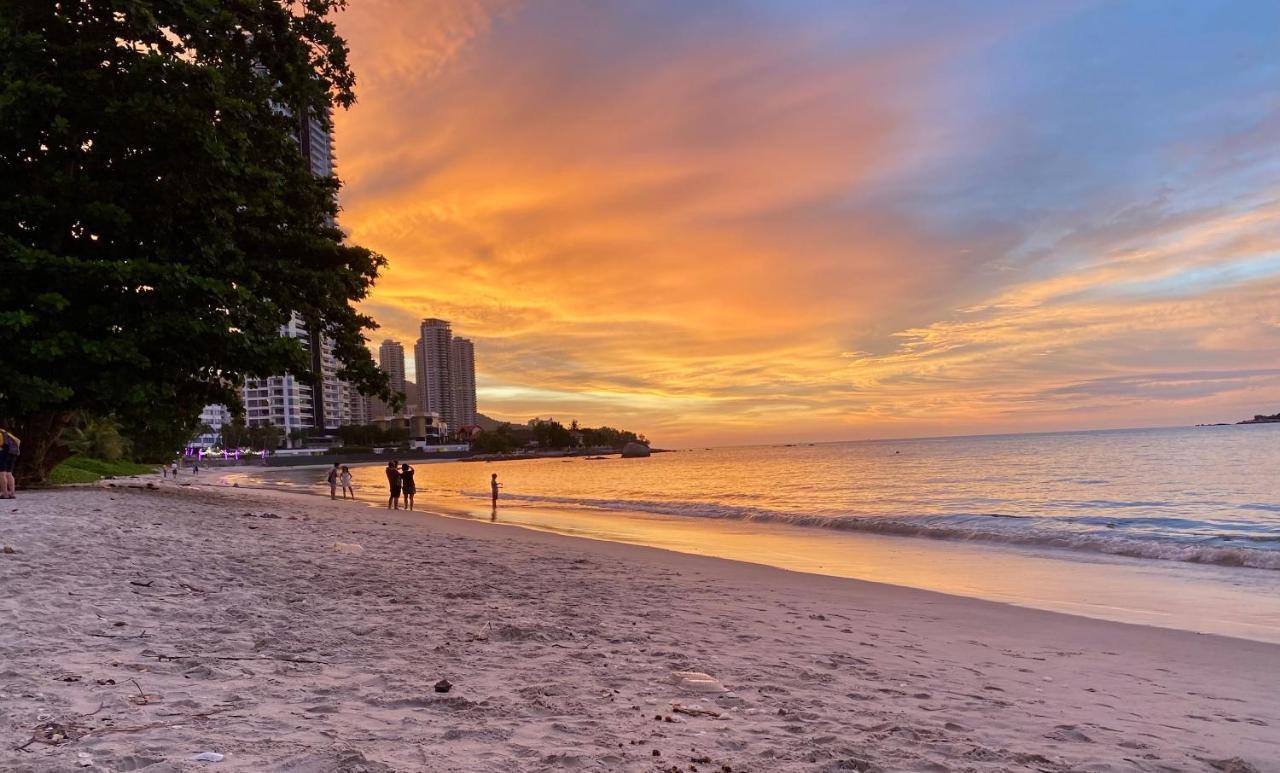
(497, 441)
(552, 434)
(609, 437)
(158, 223)
(96, 436)
(235, 434)
(159, 436)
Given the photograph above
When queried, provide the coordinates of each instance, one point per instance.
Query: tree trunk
(42, 447)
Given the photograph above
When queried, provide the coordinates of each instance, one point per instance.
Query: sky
(773, 220)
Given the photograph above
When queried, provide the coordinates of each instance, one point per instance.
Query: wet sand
(141, 627)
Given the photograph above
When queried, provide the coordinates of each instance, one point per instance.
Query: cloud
(727, 222)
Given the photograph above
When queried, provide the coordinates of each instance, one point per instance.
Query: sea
(1174, 527)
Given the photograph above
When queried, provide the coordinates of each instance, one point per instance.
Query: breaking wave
(1222, 543)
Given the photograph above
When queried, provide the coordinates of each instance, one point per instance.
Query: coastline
(1203, 598)
(562, 652)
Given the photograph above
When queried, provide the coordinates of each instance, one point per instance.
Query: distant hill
(487, 424)
(1260, 419)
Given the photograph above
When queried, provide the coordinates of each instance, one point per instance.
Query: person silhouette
(393, 483)
(332, 479)
(407, 486)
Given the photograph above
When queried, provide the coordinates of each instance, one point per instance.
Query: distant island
(1260, 419)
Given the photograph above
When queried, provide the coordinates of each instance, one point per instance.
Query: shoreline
(1196, 597)
(253, 637)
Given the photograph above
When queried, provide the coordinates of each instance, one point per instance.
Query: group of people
(10, 447)
(340, 476)
(171, 469)
(400, 484)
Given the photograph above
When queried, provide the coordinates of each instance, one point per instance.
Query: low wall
(363, 458)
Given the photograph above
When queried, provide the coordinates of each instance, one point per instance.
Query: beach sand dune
(140, 628)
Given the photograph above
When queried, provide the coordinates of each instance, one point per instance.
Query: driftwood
(677, 708)
(285, 658)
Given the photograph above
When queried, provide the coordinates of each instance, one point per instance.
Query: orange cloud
(686, 228)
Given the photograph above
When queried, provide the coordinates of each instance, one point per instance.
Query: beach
(144, 626)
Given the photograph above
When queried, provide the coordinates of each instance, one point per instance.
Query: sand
(139, 628)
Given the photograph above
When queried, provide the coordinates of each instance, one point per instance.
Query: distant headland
(1260, 419)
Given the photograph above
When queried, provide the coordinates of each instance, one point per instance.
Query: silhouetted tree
(158, 223)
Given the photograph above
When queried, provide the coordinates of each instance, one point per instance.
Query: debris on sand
(208, 757)
(696, 681)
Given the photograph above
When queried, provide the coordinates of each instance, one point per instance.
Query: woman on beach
(10, 447)
(345, 479)
(407, 485)
(393, 483)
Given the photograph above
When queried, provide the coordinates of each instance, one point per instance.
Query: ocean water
(1085, 521)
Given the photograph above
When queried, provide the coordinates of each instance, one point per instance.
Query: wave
(1221, 543)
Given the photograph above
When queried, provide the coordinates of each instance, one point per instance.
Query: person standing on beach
(173, 469)
(494, 485)
(333, 481)
(407, 486)
(10, 447)
(393, 483)
(345, 479)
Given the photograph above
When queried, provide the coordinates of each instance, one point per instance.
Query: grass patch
(79, 469)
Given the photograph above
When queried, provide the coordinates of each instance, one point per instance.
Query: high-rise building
(281, 401)
(214, 417)
(411, 398)
(432, 354)
(462, 368)
(284, 401)
(391, 360)
(358, 407)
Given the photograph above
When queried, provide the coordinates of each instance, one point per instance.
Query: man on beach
(333, 481)
(393, 483)
(494, 485)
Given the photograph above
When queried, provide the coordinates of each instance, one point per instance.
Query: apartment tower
(431, 355)
(284, 401)
(462, 367)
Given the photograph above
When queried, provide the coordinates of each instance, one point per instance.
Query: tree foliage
(601, 437)
(548, 433)
(497, 441)
(158, 223)
(237, 434)
(552, 434)
(97, 437)
(368, 435)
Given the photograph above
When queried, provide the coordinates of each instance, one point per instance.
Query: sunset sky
(732, 222)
